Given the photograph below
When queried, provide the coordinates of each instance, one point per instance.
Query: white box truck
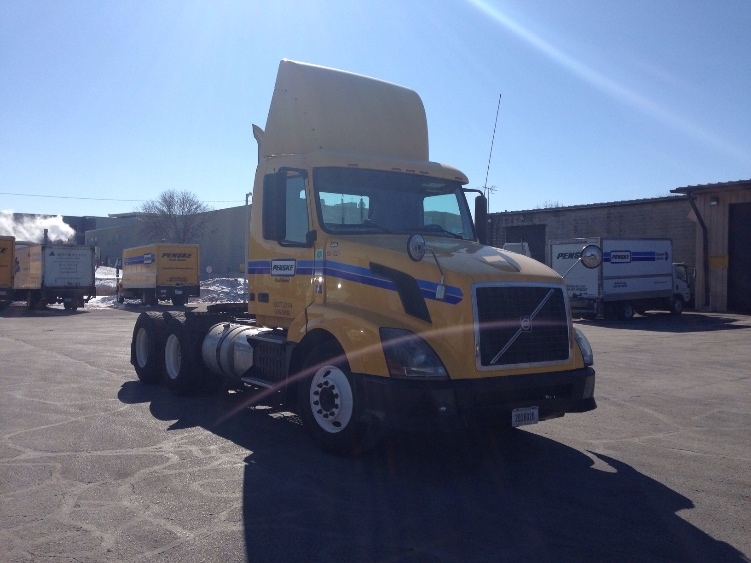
(50, 273)
(636, 275)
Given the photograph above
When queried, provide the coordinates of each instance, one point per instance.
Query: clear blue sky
(116, 102)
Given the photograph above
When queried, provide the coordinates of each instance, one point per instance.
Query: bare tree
(175, 217)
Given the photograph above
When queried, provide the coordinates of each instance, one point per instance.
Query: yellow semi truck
(372, 296)
(159, 272)
(7, 270)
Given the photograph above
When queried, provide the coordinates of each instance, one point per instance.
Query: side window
(443, 210)
(285, 208)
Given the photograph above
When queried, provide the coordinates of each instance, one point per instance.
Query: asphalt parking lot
(95, 466)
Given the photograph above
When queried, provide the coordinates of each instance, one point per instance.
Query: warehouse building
(662, 217)
(722, 215)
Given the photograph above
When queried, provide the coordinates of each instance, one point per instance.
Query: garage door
(739, 258)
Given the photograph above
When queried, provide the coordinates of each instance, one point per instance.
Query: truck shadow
(487, 495)
(665, 322)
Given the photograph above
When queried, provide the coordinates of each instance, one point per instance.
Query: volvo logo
(526, 323)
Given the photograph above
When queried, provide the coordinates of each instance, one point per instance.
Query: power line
(106, 198)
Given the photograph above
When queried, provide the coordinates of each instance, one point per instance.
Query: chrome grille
(521, 325)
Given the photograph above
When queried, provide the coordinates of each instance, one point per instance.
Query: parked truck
(159, 272)
(636, 275)
(372, 298)
(50, 273)
(7, 270)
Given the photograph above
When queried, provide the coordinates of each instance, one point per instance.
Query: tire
(330, 405)
(31, 301)
(625, 311)
(182, 366)
(147, 347)
(179, 300)
(676, 305)
(148, 298)
(68, 306)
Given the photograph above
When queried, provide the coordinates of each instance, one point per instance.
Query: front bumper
(477, 402)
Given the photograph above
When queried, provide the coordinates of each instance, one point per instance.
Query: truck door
(681, 284)
(281, 271)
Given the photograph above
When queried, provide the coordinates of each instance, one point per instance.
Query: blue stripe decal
(356, 274)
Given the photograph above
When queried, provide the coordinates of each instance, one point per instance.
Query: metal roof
(595, 205)
(716, 187)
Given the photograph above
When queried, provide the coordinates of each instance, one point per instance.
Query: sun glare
(609, 86)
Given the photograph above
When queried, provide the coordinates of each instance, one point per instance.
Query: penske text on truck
(372, 298)
(160, 272)
(50, 273)
(7, 270)
(636, 275)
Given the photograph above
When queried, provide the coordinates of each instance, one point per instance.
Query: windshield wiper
(433, 228)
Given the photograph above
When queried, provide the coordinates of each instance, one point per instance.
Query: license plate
(528, 415)
(178, 292)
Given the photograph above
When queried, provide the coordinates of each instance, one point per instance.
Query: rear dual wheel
(182, 368)
(625, 311)
(147, 347)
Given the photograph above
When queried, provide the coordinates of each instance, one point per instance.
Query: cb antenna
(487, 189)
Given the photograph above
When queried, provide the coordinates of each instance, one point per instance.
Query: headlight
(409, 356)
(584, 346)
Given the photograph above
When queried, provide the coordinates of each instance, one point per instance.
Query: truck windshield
(355, 201)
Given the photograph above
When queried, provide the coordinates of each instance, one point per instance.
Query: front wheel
(330, 406)
(676, 305)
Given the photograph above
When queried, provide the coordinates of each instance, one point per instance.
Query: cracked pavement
(95, 466)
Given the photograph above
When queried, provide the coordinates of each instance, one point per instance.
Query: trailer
(7, 270)
(636, 275)
(50, 273)
(159, 272)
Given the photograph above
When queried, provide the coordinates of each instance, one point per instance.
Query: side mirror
(481, 218)
(591, 256)
(118, 266)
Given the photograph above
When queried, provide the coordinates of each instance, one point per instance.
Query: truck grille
(521, 325)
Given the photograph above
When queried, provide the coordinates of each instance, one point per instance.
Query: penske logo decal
(283, 267)
(627, 256)
(147, 258)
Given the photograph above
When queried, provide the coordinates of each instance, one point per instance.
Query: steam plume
(31, 228)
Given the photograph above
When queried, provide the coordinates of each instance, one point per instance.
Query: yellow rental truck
(50, 273)
(159, 272)
(7, 270)
(372, 297)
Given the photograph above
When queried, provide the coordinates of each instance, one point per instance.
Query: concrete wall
(222, 248)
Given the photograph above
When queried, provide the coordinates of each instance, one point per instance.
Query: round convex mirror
(416, 247)
(591, 256)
